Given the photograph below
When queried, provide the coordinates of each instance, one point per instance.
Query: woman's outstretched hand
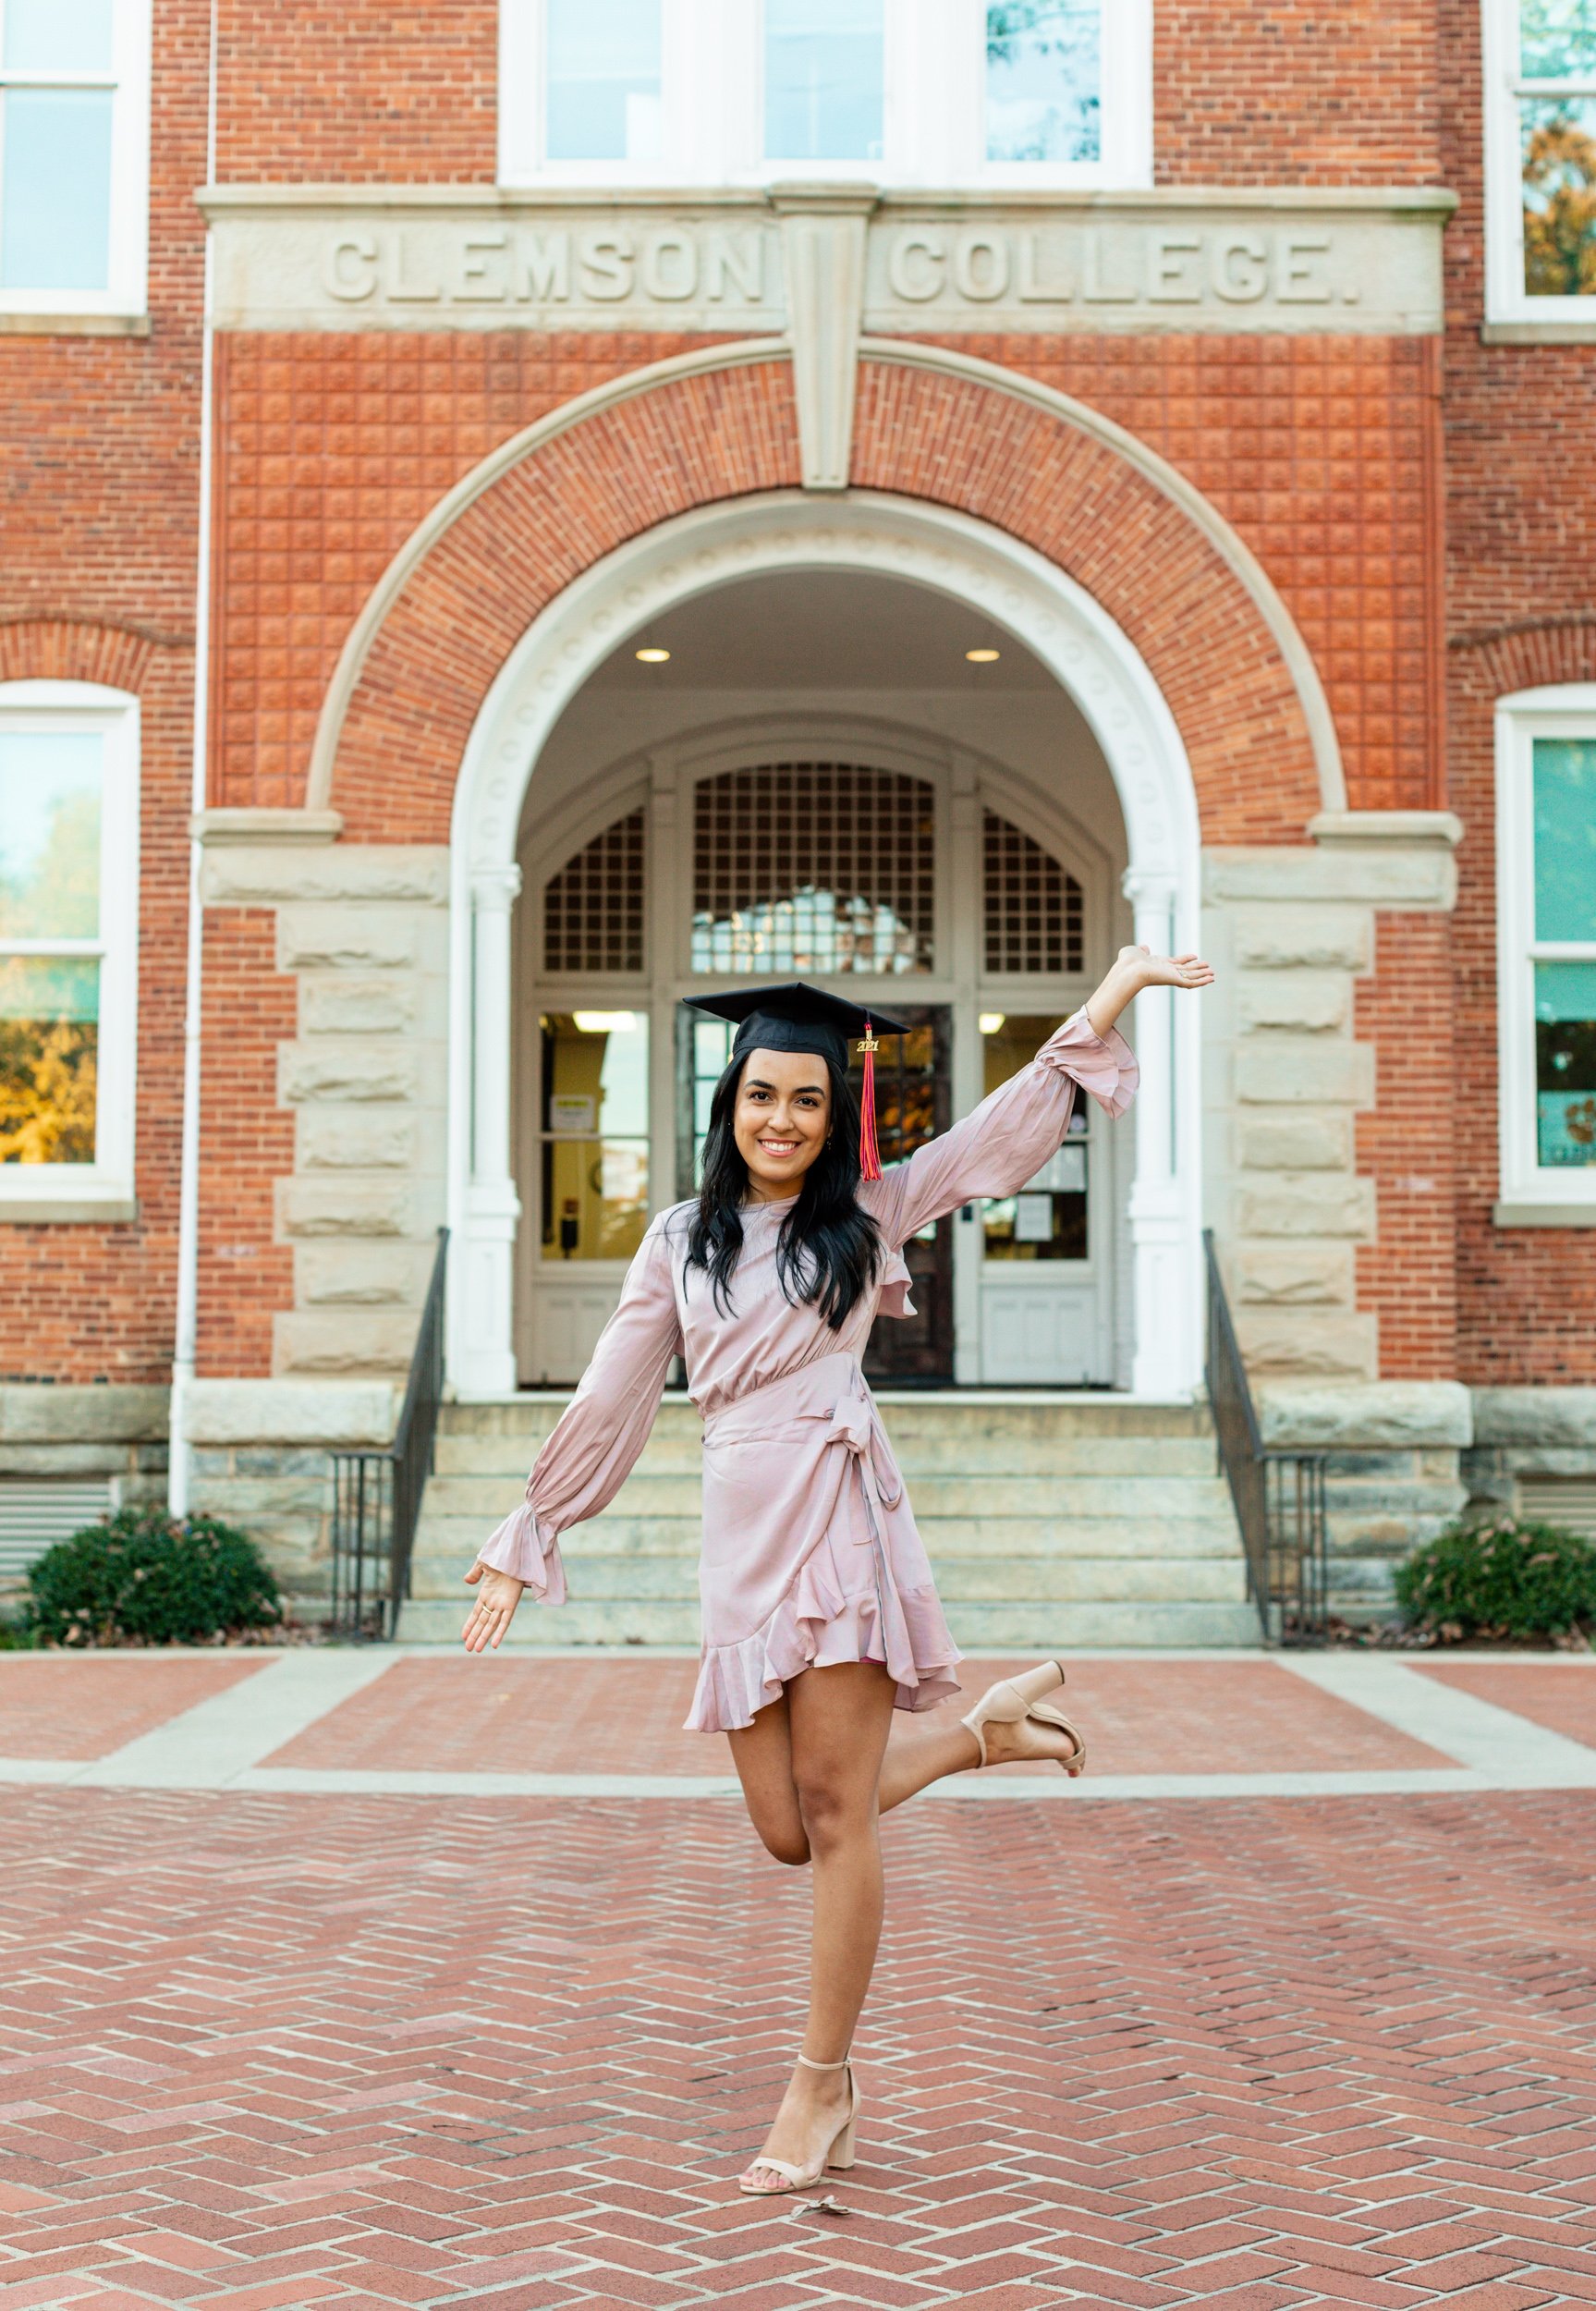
(1134, 967)
(491, 1611)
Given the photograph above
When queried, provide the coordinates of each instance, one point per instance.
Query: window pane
(1558, 141)
(1047, 1220)
(595, 1123)
(1565, 838)
(1557, 39)
(49, 1038)
(59, 35)
(55, 192)
(823, 80)
(604, 81)
(1565, 1063)
(50, 834)
(1044, 79)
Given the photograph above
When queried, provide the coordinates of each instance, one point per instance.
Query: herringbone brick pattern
(272, 2051)
(512, 1714)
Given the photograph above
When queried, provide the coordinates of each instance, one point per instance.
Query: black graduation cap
(797, 1017)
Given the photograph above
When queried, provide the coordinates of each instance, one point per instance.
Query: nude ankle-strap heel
(840, 2155)
(1015, 1698)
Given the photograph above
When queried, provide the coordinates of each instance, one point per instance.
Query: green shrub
(1506, 1579)
(145, 1578)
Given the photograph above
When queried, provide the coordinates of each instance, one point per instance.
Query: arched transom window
(815, 869)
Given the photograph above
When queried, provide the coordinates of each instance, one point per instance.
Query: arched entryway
(989, 822)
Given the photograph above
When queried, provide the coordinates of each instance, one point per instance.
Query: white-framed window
(1541, 161)
(1546, 947)
(1010, 93)
(68, 946)
(74, 157)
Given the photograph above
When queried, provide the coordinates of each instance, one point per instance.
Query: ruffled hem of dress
(519, 1546)
(816, 1625)
(1102, 1065)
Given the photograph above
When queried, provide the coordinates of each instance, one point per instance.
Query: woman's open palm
(492, 1608)
(1168, 971)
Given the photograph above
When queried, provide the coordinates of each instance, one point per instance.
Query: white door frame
(924, 545)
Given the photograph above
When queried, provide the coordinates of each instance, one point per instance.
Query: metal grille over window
(812, 869)
(1033, 907)
(594, 907)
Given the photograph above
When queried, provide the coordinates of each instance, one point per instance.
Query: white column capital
(494, 890)
(1151, 888)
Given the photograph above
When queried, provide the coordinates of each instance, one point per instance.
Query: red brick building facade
(1221, 430)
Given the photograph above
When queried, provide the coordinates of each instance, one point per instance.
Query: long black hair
(828, 1246)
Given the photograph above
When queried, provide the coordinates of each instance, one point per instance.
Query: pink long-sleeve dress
(811, 1554)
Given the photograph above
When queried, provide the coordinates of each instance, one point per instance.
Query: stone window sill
(107, 1211)
(16, 324)
(1538, 332)
(1543, 1214)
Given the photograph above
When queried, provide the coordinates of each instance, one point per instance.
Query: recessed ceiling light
(653, 658)
(605, 1023)
(982, 657)
(991, 1023)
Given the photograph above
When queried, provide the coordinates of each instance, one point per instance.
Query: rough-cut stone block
(1314, 1204)
(348, 1206)
(31, 1412)
(1298, 938)
(1339, 1347)
(1535, 1416)
(334, 1274)
(1310, 1002)
(223, 1413)
(1306, 1276)
(1299, 1141)
(340, 1003)
(1385, 1412)
(336, 935)
(1422, 877)
(307, 1072)
(343, 1341)
(354, 1139)
(255, 876)
(1298, 1072)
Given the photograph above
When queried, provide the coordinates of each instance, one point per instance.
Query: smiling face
(781, 1119)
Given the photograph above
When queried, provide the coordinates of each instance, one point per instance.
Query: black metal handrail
(1279, 1493)
(377, 1495)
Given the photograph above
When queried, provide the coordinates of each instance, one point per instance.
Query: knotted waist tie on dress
(833, 1389)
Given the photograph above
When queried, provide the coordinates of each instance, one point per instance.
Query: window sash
(128, 82)
(114, 715)
(1567, 713)
(933, 129)
(1506, 89)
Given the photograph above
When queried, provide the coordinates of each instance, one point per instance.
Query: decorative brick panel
(330, 450)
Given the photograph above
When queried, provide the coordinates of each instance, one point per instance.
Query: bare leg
(925, 1750)
(837, 1723)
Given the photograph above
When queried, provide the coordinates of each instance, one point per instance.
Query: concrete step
(991, 1629)
(508, 1458)
(909, 1413)
(988, 1580)
(1065, 1499)
(445, 1547)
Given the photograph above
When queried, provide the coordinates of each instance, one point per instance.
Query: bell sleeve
(595, 1443)
(1005, 1141)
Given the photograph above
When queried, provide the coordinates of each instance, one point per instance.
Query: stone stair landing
(1051, 1520)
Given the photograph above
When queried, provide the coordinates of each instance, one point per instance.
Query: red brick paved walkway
(281, 2051)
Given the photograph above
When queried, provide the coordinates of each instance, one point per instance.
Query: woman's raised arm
(591, 1451)
(1005, 1141)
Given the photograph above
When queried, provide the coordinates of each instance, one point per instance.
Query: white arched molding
(921, 545)
(907, 353)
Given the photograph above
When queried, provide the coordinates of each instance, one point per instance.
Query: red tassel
(868, 1153)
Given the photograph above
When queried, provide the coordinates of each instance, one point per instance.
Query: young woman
(819, 1615)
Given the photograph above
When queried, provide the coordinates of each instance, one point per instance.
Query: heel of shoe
(841, 2152)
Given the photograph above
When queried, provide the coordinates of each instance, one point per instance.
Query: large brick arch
(414, 680)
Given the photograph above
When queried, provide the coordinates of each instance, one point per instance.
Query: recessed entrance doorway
(850, 779)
